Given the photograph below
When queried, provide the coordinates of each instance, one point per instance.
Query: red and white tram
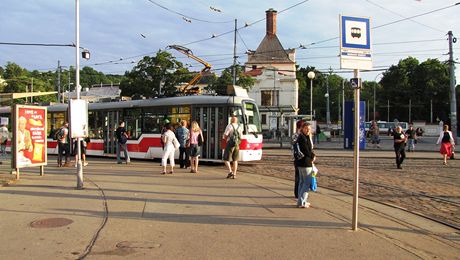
(144, 120)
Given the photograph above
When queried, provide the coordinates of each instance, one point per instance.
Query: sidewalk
(200, 216)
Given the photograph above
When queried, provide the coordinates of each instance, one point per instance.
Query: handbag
(314, 182)
(176, 143)
(200, 140)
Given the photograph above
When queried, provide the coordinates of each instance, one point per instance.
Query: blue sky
(112, 30)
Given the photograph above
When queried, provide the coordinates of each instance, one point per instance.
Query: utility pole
(234, 53)
(59, 82)
(453, 99)
(77, 88)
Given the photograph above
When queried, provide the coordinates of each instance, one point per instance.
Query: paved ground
(133, 212)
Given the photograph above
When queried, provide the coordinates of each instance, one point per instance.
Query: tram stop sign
(355, 43)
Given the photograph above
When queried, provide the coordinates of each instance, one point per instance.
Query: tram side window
(252, 118)
(56, 120)
(151, 123)
(133, 122)
(95, 122)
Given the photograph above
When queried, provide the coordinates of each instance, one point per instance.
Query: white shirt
(229, 130)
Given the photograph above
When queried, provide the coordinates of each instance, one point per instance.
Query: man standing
(62, 135)
(4, 135)
(122, 139)
(232, 135)
(399, 146)
(183, 135)
(295, 136)
(375, 132)
(411, 137)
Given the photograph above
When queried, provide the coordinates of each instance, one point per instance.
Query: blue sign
(356, 32)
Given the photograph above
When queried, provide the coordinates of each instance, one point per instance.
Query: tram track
(410, 192)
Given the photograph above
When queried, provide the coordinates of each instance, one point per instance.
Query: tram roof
(178, 101)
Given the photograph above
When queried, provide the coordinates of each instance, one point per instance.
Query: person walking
(4, 135)
(375, 132)
(196, 136)
(399, 145)
(232, 136)
(317, 133)
(122, 139)
(170, 144)
(447, 142)
(183, 135)
(62, 136)
(305, 165)
(295, 136)
(411, 138)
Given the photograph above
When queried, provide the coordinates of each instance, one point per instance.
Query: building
(276, 88)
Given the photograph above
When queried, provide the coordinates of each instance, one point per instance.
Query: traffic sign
(355, 43)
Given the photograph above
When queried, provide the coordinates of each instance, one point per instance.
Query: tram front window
(252, 117)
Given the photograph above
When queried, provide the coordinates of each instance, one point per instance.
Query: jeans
(184, 160)
(123, 147)
(411, 143)
(296, 183)
(400, 155)
(304, 184)
(63, 148)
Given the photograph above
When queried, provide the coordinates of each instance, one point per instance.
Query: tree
(219, 85)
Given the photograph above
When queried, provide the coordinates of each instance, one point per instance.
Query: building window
(264, 119)
(269, 97)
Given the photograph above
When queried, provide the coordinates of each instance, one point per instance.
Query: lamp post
(311, 76)
(328, 113)
(375, 80)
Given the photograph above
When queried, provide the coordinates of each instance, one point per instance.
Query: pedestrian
(399, 146)
(411, 138)
(170, 145)
(62, 136)
(305, 165)
(447, 142)
(83, 145)
(122, 139)
(317, 133)
(232, 135)
(375, 132)
(183, 135)
(4, 135)
(295, 136)
(196, 136)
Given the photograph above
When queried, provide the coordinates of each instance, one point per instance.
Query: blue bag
(313, 184)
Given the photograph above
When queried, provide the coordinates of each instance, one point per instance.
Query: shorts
(231, 154)
(75, 148)
(195, 150)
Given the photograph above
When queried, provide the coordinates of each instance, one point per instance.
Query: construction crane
(207, 67)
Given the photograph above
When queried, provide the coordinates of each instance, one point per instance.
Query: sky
(119, 33)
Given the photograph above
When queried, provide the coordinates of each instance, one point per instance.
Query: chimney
(271, 21)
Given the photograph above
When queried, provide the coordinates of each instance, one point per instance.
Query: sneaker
(85, 164)
(229, 175)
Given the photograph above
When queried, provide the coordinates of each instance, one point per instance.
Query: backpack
(446, 137)
(234, 139)
(59, 134)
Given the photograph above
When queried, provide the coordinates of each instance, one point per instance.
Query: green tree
(219, 85)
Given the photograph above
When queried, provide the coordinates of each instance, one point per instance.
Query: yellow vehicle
(188, 88)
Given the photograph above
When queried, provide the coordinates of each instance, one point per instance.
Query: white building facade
(276, 88)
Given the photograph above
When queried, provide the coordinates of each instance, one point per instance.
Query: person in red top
(447, 143)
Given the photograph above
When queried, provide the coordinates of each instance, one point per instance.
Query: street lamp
(375, 80)
(328, 113)
(311, 76)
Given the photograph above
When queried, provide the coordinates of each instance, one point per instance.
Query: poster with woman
(29, 136)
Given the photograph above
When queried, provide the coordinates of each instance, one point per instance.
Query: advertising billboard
(29, 136)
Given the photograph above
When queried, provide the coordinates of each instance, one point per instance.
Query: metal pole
(410, 108)
(374, 104)
(77, 86)
(32, 91)
(59, 82)
(388, 110)
(328, 113)
(431, 111)
(234, 53)
(356, 154)
(453, 99)
(311, 100)
(343, 104)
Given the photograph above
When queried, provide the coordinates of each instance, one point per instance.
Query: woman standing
(195, 135)
(169, 140)
(305, 165)
(447, 142)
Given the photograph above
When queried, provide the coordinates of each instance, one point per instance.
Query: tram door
(211, 121)
(110, 125)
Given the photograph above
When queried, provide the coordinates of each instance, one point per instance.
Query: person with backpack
(122, 139)
(62, 136)
(295, 136)
(232, 135)
(183, 135)
(446, 140)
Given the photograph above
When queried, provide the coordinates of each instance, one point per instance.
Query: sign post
(355, 53)
(29, 138)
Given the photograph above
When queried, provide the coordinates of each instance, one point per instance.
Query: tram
(144, 120)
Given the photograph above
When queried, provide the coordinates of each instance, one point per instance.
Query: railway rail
(424, 187)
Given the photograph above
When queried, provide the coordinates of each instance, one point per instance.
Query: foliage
(219, 85)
